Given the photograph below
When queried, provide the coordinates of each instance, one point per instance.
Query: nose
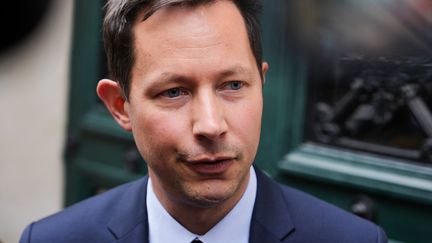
(208, 117)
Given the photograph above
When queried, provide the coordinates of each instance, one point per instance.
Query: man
(188, 85)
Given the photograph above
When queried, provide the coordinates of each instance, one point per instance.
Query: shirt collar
(234, 227)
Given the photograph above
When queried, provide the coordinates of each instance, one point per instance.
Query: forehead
(178, 14)
(209, 33)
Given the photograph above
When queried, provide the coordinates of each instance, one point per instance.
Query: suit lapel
(271, 220)
(129, 221)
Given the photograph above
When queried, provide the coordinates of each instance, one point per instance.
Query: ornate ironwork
(380, 89)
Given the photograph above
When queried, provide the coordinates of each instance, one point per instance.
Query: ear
(111, 94)
(264, 70)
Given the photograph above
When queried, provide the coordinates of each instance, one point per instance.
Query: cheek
(246, 122)
(156, 134)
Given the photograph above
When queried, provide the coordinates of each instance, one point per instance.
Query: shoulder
(315, 220)
(328, 223)
(87, 220)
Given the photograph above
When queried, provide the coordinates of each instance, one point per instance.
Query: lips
(211, 166)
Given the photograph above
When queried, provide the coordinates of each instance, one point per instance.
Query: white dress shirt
(234, 227)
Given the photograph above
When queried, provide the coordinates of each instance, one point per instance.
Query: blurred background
(346, 110)
(34, 80)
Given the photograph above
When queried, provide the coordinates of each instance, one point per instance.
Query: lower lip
(211, 168)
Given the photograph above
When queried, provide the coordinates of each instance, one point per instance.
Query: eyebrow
(169, 77)
(237, 69)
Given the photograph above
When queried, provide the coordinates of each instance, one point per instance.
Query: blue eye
(235, 85)
(172, 93)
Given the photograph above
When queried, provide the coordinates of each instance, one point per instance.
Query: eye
(234, 85)
(173, 93)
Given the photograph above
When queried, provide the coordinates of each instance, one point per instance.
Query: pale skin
(194, 108)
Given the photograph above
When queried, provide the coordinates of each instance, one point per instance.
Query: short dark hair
(119, 42)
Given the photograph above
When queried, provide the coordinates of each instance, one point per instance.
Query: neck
(199, 220)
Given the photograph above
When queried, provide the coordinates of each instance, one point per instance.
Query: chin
(209, 194)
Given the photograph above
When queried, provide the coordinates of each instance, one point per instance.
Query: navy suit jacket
(281, 214)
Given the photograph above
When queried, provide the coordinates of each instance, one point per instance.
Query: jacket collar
(271, 219)
(129, 216)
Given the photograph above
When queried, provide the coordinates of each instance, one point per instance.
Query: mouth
(209, 166)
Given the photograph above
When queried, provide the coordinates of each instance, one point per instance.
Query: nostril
(209, 130)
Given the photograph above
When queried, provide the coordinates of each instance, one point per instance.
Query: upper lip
(210, 159)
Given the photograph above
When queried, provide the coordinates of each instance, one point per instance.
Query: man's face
(195, 103)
